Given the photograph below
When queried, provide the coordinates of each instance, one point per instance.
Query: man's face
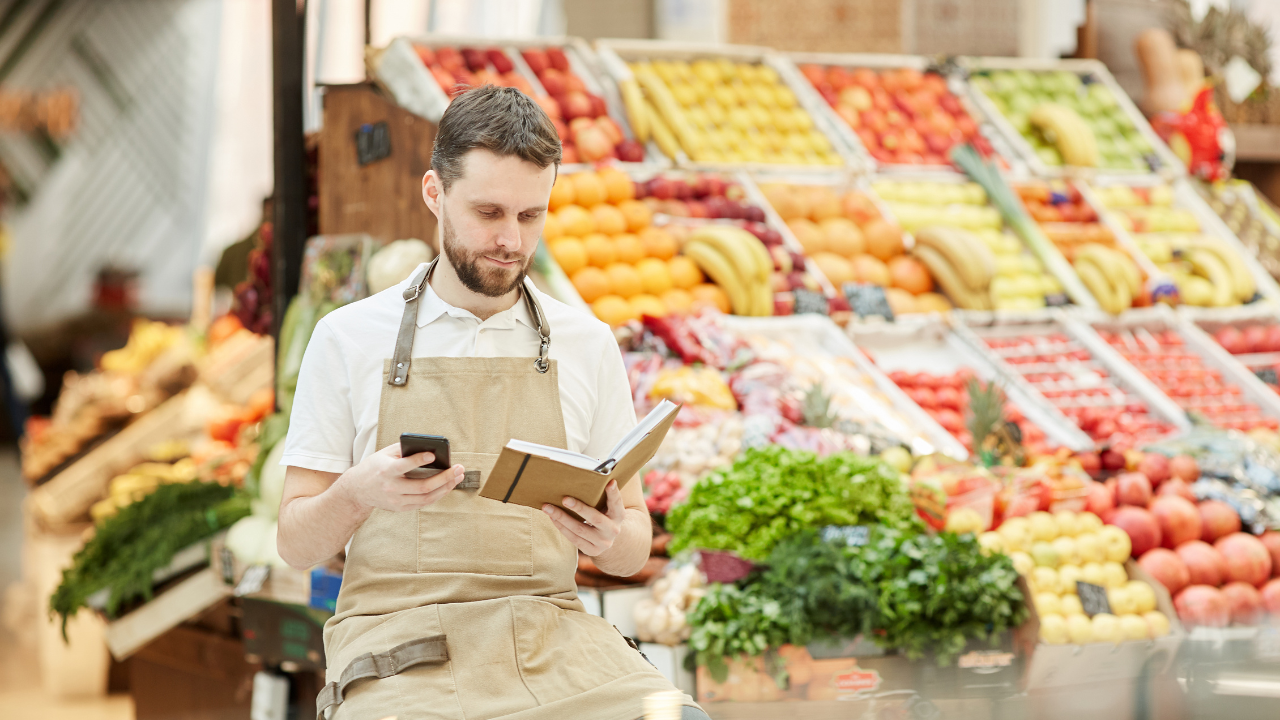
(491, 218)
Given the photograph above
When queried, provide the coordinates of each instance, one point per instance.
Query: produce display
(1249, 216)
(1207, 272)
(661, 617)
(715, 110)
(1067, 118)
(901, 115)
(1257, 347)
(946, 399)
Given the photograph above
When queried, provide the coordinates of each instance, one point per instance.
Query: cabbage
(395, 262)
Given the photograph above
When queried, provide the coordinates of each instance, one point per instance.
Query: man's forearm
(630, 550)
(314, 529)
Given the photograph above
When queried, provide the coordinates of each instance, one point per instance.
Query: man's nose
(509, 234)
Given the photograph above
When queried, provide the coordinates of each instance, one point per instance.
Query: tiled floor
(22, 696)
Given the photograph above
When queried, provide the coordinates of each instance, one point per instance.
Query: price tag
(1267, 375)
(373, 142)
(810, 302)
(851, 535)
(1093, 598)
(867, 300)
(254, 578)
(1057, 300)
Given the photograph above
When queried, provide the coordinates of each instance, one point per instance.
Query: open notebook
(532, 475)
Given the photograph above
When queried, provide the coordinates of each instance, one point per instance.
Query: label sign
(809, 302)
(1093, 598)
(1267, 375)
(850, 535)
(867, 300)
(373, 142)
(858, 680)
(981, 659)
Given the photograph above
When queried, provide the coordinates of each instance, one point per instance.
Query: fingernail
(569, 502)
(548, 509)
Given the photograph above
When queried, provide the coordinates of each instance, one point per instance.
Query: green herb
(772, 493)
(127, 549)
(729, 621)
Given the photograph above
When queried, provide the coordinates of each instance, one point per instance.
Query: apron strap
(401, 358)
(423, 651)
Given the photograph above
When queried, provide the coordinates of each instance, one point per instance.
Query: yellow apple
(1089, 547)
(1045, 554)
(1053, 629)
(1080, 629)
(1143, 596)
(1088, 522)
(1067, 551)
(1043, 527)
(991, 542)
(1044, 579)
(1134, 627)
(1093, 574)
(1121, 602)
(1071, 605)
(1068, 575)
(1106, 628)
(1017, 534)
(1157, 623)
(1048, 603)
(1022, 562)
(1115, 543)
(1068, 523)
(1114, 574)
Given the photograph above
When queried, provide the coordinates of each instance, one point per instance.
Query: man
(453, 605)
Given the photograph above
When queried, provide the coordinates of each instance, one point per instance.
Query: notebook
(533, 475)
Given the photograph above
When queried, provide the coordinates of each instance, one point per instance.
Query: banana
(1132, 276)
(669, 108)
(761, 300)
(1066, 130)
(731, 243)
(945, 274)
(719, 269)
(764, 263)
(633, 100)
(1242, 282)
(662, 135)
(1108, 262)
(970, 259)
(1099, 286)
(1208, 265)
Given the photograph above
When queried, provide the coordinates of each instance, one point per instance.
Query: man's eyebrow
(490, 203)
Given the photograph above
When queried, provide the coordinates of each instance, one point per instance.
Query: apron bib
(468, 609)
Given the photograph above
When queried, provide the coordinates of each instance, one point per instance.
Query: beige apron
(468, 609)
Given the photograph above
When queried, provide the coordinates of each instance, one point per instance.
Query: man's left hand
(600, 530)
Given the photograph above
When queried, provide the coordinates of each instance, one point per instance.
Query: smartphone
(413, 443)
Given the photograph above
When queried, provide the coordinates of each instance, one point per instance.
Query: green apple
(1004, 83)
(1027, 80)
(898, 458)
(983, 83)
(1023, 103)
(1053, 630)
(1045, 555)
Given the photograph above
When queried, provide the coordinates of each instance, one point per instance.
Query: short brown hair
(503, 121)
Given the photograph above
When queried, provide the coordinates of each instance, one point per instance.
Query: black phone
(414, 443)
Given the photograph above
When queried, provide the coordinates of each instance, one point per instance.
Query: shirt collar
(431, 308)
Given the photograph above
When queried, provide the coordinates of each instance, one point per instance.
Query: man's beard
(490, 281)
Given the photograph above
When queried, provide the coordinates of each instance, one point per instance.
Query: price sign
(867, 300)
(1057, 300)
(1267, 375)
(373, 142)
(1093, 598)
(810, 302)
(850, 535)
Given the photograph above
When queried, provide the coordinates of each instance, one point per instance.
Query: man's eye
(489, 214)
(528, 217)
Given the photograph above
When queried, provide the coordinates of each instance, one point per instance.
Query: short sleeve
(322, 422)
(614, 414)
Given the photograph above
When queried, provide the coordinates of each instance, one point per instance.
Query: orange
(576, 221)
(823, 203)
(609, 219)
(910, 274)
(592, 284)
(645, 304)
(601, 251)
(638, 215)
(613, 310)
(932, 302)
(843, 236)
(871, 270)
(901, 302)
(561, 193)
(588, 189)
(551, 228)
(708, 295)
(624, 279)
(617, 185)
(654, 275)
(884, 239)
(570, 254)
(658, 243)
(685, 273)
(837, 269)
(679, 302)
(810, 236)
(630, 249)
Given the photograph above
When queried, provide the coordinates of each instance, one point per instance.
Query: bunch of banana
(738, 263)
(961, 264)
(147, 340)
(1211, 274)
(654, 110)
(1063, 127)
(1110, 275)
(139, 482)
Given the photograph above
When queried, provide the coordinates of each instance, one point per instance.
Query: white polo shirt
(334, 422)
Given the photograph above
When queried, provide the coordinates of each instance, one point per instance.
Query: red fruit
(1271, 539)
(1185, 467)
(1231, 339)
(1156, 467)
(1089, 462)
(1273, 338)
(1141, 526)
(1167, 568)
(558, 59)
(1202, 605)
(1217, 519)
(1178, 488)
(610, 128)
(1133, 488)
(1205, 564)
(1271, 597)
(1255, 338)
(576, 105)
(630, 151)
(537, 60)
(1245, 603)
(499, 60)
(1248, 560)
(569, 155)
(1100, 500)
(1179, 520)
(1112, 460)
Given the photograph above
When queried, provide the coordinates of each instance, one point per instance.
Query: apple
(1271, 539)
(1133, 627)
(1113, 574)
(1071, 605)
(1185, 467)
(1093, 574)
(1045, 555)
(630, 151)
(1205, 565)
(1271, 597)
(1179, 520)
(1044, 579)
(1022, 562)
(1179, 488)
(576, 105)
(1047, 603)
(1143, 595)
(1156, 467)
(1217, 519)
(537, 60)
(1068, 523)
(1053, 629)
(1133, 488)
(1112, 460)
(1273, 338)
(1157, 623)
(1121, 602)
(1247, 559)
(991, 542)
(1067, 550)
(1167, 568)
(1245, 603)
(1079, 629)
(1255, 338)
(1231, 340)
(611, 129)
(558, 59)
(1089, 462)
(1016, 533)
(1068, 576)
(1100, 499)
(1106, 628)
(1089, 522)
(1089, 548)
(1141, 527)
(1201, 605)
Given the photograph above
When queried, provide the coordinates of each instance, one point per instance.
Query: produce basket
(815, 337)
(1250, 333)
(718, 120)
(1249, 216)
(931, 347)
(929, 100)
(1054, 360)
(1010, 83)
(403, 70)
(1188, 366)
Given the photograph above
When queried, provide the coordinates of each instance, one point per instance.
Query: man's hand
(378, 482)
(597, 534)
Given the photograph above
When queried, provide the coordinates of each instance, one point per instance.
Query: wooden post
(289, 226)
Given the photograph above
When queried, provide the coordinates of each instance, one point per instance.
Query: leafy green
(730, 621)
(127, 549)
(772, 493)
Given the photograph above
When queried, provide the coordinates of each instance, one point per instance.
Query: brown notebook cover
(533, 481)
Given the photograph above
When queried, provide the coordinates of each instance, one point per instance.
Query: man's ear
(431, 191)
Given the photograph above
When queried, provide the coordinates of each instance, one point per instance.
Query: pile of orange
(850, 241)
(623, 266)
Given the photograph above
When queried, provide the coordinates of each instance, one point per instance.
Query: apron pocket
(466, 533)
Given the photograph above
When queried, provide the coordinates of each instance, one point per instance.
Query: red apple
(1112, 460)
(1248, 560)
(549, 106)
(569, 155)
(1140, 524)
(553, 82)
(662, 188)
(1179, 520)
(576, 105)
(1271, 539)
(558, 59)
(937, 143)
(1217, 519)
(813, 73)
(1271, 597)
(1231, 340)
(1089, 462)
(1255, 338)
(425, 54)
(891, 140)
(499, 60)
(1185, 467)
(536, 59)
(1245, 603)
(573, 82)
(859, 98)
(1156, 467)
(839, 77)
(1100, 500)
(849, 115)
(867, 78)
(1205, 564)
(1133, 488)
(1202, 605)
(875, 121)
(610, 129)
(1167, 568)
(1273, 338)
(630, 151)
(1178, 488)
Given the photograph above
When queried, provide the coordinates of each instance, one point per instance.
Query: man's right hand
(378, 481)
